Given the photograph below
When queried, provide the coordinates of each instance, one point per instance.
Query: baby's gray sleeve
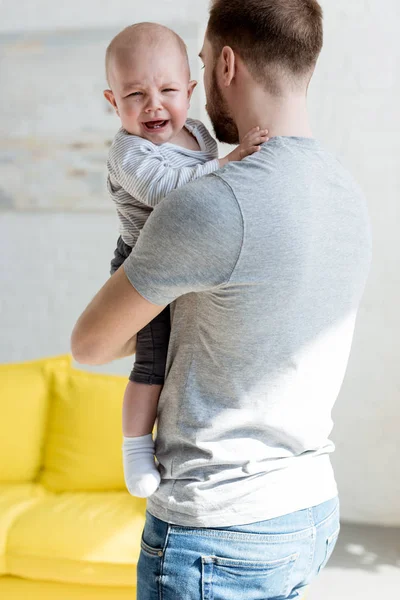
(141, 170)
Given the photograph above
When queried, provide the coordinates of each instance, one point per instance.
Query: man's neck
(282, 116)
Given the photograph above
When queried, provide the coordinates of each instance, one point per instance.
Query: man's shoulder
(206, 200)
(210, 189)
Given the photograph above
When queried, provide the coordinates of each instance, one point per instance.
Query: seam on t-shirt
(179, 454)
(241, 245)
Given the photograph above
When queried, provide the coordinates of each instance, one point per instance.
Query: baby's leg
(140, 406)
(138, 416)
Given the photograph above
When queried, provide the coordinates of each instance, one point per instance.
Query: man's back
(277, 254)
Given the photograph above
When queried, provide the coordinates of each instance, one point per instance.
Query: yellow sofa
(68, 528)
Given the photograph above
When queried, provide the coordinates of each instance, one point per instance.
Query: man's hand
(107, 329)
(249, 145)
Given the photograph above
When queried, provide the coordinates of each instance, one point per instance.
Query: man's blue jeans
(270, 560)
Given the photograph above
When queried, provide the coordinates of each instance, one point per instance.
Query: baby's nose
(153, 104)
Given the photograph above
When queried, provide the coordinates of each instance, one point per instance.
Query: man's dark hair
(270, 36)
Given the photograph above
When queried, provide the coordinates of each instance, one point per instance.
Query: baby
(157, 150)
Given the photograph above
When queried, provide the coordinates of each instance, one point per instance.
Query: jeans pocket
(329, 548)
(149, 550)
(149, 572)
(230, 579)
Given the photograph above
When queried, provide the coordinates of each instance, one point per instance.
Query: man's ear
(228, 60)
(191, 86)
(109, 96)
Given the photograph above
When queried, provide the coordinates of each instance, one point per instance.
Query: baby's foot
(141, 474)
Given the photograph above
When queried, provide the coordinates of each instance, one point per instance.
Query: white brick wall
(52, 264)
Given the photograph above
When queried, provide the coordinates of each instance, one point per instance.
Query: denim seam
(333, 514)
(313, 537)
(148, 549)
(212, 561)
(289, 576)
(328, 552)
(334, 535)
(205, 591)
(261, 538)
(223, 561)
(161, 576)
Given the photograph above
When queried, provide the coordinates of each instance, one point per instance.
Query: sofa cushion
(15, 588)
(85, 538)
(14, 500)
(84, 437)
(24, 403)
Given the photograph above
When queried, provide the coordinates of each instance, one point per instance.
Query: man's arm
(107, 329)
(190, 243)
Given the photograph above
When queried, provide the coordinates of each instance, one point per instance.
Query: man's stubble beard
(224, 126)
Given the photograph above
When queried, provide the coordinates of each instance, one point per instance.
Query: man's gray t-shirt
(267, 260)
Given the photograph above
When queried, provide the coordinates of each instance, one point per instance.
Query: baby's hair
(150, 33)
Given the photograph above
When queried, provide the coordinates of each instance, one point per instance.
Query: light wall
(51, 264)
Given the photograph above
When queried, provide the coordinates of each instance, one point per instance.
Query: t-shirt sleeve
(190, 243)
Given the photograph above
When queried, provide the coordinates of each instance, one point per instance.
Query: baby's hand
(249, 145)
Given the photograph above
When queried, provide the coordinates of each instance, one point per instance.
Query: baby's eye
(135, 94)
(169, 90)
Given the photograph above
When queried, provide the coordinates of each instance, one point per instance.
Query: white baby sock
(141, 474)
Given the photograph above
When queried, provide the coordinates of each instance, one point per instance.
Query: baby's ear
(109, 96)
(191, 86)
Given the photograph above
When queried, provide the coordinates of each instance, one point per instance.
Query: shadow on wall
(366, 547)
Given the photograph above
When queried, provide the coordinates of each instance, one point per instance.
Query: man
(265, 261)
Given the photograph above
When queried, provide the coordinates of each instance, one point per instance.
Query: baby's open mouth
(155, 125)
